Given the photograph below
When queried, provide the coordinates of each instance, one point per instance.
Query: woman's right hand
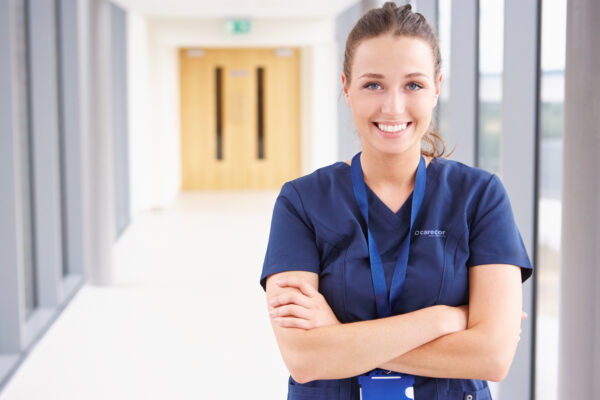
(303, 308)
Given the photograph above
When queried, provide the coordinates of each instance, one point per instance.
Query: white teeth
(392, 128)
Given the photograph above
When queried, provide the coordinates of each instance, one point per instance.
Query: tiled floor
(186, 318)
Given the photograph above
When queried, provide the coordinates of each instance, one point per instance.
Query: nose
(393, 104)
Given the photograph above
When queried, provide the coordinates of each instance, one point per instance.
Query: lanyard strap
(385, 301)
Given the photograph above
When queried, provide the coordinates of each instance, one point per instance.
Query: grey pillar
(518, 160)
(579, 343)
(99, 208)
(11, 262)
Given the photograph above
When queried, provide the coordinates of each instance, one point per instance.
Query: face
(392, 93)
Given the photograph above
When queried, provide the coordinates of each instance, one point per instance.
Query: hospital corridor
(146, 147)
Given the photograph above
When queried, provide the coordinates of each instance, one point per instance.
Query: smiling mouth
(392, 129)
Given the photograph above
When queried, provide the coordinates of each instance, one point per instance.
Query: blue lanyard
(385, 301)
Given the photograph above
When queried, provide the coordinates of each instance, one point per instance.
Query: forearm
(487, 347)
(345, 350)
(467, 354)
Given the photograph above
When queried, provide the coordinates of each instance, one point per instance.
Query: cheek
(422, 107)
(363, 107)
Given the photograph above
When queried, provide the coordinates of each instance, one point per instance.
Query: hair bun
(391, 6)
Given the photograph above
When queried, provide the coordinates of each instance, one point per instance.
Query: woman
(371, 263)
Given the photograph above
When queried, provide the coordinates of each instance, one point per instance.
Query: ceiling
(236, 8)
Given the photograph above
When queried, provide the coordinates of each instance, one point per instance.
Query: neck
(385, 170)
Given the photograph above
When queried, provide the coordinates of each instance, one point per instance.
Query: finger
(290, 310)
(291, 281)
(290, 322)
(291, 298)
(298, 283)
(523, 315)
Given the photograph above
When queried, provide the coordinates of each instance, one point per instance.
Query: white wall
(154, 93)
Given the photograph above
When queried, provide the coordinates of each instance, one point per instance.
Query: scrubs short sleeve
(494, 236)
(292, 245)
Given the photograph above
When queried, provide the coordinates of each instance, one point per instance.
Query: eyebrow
(380, 76)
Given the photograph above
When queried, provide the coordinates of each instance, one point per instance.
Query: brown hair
(398, 21)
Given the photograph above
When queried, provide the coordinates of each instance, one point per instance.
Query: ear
(345, 89)
(438, 85)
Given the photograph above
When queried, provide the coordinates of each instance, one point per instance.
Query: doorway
(240, 118)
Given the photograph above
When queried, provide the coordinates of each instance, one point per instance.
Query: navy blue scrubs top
(465, 220)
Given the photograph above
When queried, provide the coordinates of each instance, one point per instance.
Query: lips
(392, 129)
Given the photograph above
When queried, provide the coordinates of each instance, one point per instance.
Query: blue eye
(414, 86)
(372, 85)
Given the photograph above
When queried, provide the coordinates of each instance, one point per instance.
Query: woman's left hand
(303, 308)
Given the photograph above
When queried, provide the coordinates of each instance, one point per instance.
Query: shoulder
(320, 180)
(318, 191)
(455, 175)
(458, 171)
(465, 186)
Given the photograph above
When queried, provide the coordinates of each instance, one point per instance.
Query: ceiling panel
(237, 8)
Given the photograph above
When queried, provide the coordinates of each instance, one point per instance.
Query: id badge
(381, 385)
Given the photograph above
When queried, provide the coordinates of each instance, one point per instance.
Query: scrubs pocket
(481, 394)
(463, 389)
(317, 390)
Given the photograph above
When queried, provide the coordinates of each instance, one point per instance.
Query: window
(552, 68)
(491, 33)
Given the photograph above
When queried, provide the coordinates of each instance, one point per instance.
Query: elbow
(301, 375)
(499, 364)
(299, 378)
(497, 374)
(494, 355)
(297, 349)
(299, 368)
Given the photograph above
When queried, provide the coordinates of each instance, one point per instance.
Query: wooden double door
(240, 118)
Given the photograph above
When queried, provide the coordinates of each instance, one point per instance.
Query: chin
(393, 146)
(390, 149)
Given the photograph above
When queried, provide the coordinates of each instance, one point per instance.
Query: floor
(185, 319)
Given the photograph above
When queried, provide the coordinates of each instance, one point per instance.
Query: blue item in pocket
(380, 385)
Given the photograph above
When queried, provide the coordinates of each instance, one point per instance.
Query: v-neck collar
(402, 213)
(375, 203)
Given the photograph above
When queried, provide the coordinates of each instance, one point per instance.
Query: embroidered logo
(431, 233)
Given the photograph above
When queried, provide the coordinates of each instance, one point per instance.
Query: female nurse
(396, 274)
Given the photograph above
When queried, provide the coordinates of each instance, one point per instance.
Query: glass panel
(491, 33)
(219, 100)
(260, 110)
(444, 18)
(553, 41)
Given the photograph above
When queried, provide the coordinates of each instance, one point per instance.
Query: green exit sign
(238, 26)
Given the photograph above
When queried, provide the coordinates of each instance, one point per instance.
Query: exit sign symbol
(238, 26)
